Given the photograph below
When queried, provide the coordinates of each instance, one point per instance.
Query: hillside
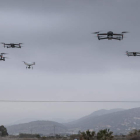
(95, 114)
(40, 127)
(118, 122)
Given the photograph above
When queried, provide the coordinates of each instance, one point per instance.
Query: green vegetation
(135, 132)
(22, 135)
(134, 135)
(3, 131)
(88, 135)
(105, 134)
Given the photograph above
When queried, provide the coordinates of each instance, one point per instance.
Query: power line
(66, 101)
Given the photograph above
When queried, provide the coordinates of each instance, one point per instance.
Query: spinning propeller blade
(96, 32)
(124, 32)
(3, 53)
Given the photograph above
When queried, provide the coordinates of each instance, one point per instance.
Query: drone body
(132, 53)
(12, 45)
(2, 58)
(28, 65)
(110, 35)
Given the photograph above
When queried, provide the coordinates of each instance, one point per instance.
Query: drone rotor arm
(124, 32)
(117, 34)
(102, 34)
(103, 38)
(8, 44)
(3, 53)
(116, 38)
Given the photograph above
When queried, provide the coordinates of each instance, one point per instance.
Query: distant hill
(119, 122)
(27, 120)
(40, 127)
(95, 114)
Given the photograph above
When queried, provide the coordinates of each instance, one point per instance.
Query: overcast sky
(71, 63)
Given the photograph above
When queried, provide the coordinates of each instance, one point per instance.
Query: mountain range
(120, 121)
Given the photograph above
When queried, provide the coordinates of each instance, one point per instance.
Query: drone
(132, 53)
(12, 45)
(28, 65)
(110, 35)
(2, 58)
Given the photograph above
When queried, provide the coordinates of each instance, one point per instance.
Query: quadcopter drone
(132, 53)
(110, 35)
(12, 45)
(28, 65)
(2, 58)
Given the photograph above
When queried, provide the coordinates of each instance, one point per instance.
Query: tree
(134, 135)
(88, 135)
(105, 134)
(134, 132)
(38, 136)
(3, 131)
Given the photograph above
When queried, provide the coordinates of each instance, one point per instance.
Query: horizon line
(69, 101)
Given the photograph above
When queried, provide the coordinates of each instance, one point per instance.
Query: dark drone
(110, 35)
(12, 45)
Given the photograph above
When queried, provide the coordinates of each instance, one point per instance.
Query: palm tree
(88, 135)
(105, 134)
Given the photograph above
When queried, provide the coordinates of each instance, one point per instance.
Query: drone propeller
(124, 32)
(96, 32)
(101, 36)
(126, 53)
(3, 53)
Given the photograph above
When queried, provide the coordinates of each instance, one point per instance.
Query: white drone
(28, 65)
(2, 57)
